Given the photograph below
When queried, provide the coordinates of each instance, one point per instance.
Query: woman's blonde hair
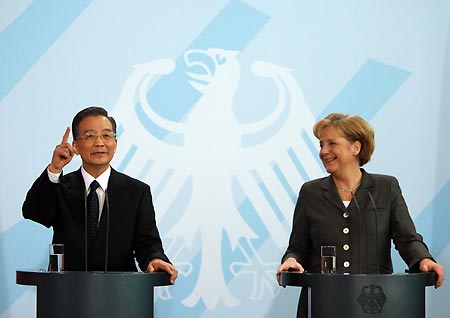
(354, 128)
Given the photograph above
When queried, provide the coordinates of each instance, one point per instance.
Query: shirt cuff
(54, 177)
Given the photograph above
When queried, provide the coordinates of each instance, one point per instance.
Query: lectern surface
(93, 294)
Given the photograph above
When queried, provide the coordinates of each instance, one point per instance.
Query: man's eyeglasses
(91, 137)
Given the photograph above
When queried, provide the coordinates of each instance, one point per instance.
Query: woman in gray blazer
(357, 212)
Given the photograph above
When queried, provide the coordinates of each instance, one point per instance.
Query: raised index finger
(66, 136)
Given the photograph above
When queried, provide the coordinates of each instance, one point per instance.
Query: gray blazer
(362, 233)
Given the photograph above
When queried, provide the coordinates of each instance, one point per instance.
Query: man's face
(96, 144)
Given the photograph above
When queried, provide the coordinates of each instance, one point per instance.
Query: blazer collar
(367, 181)
(331, 194)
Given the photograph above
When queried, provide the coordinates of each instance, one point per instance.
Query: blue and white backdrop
(215, 102)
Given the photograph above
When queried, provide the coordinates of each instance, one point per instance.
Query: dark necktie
(93, 209)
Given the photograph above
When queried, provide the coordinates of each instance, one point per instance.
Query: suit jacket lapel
(75, 196)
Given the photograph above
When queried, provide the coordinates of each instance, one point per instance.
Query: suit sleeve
(300, 241)
(147, 242)
(40, 201)
(406, 240)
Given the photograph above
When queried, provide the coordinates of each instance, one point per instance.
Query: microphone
(107, 230)
(85, 233)
(376, 227)
(360, 229)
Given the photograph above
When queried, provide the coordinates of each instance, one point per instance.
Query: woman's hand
(428, 265)
(291, 265)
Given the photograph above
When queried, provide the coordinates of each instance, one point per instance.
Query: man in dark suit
(126, 217)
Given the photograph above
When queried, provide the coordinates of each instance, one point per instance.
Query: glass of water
(56, 261)
(328, 259)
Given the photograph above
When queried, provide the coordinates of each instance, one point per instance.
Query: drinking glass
(328, 259)
(56, 258)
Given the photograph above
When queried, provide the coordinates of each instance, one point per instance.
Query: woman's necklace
(348, 189)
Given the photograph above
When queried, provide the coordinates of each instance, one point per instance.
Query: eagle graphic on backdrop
(207, 150)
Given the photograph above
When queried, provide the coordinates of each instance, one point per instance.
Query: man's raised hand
(62, 154)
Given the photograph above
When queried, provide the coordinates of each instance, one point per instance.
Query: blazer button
(346, 247)
(346, 264)
(345, 230)
(345, 215)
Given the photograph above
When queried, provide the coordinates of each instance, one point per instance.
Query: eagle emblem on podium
(372, 299)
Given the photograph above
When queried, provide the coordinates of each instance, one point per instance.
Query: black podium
(93, 294)
(375, 296)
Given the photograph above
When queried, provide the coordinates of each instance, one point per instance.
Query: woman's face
(337, 153)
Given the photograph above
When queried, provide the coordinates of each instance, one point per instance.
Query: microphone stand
(360, 229)
(376, 229)
(107, 231)
(85, 233)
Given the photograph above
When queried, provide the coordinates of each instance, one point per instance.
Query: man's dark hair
(90, 111)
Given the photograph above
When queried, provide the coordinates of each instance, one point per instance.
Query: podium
(360, 296)
(93, 294)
